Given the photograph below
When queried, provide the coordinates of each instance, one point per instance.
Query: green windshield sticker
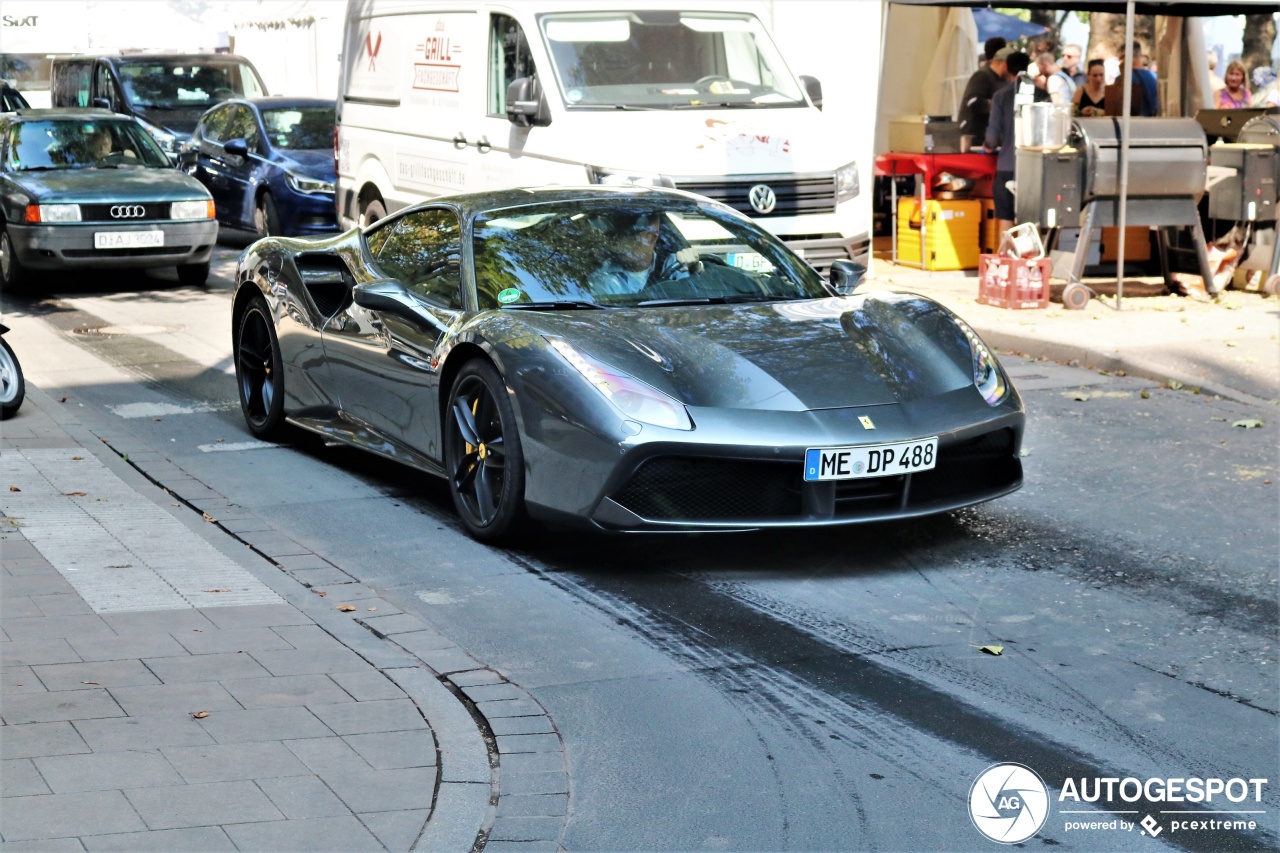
(509, 295)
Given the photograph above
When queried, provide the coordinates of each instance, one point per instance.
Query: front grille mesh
(695, 489)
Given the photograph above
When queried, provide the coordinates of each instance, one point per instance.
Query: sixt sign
(15, 21)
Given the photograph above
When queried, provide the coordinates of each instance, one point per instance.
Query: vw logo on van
(762, 198)
(127, 211)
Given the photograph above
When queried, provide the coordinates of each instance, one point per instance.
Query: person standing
(1020, 89)
(975, 105)
(1071, 56)
(1215, 82)
(1234, 94)
(1090, 99)
(1145, 99)
(1058, 84)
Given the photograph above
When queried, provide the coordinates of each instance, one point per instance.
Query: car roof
(271, 102)
(166, 57)
(473, 203)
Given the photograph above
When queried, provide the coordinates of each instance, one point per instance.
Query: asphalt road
(800, 690)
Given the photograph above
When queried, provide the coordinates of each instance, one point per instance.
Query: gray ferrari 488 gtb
(624, 358)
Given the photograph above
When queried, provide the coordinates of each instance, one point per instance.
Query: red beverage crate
(1014, 282)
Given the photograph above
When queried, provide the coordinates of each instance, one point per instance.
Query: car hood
(766, 141)
(313, 163)
(180, 121)
(874, 349)
(92, 186)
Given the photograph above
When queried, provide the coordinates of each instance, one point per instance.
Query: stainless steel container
(1043, 125)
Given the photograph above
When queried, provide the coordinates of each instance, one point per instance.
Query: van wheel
(373, 211)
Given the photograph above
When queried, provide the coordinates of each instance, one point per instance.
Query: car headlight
(52, 213)
(616, 178)
(192, 210)
(630, 396)
(166, 140)
(846, 182)
(988, 378)
(308, 185)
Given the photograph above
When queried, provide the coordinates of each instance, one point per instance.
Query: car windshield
(631, 253)
(180, 83)
(81, 144)
(300, 127)
(667, 60)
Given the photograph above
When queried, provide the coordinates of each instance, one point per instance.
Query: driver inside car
(633, 254)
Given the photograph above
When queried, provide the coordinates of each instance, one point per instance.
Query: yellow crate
(952, 231)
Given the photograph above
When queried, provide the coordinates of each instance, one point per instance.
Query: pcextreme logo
(1009, 803)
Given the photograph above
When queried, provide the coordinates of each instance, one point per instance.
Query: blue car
(268, 163)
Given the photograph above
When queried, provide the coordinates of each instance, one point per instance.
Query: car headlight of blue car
(308, 186)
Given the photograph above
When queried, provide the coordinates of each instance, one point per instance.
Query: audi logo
(127, 211)
(762, 198)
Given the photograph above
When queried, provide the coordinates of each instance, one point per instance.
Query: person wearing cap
(1021, 89)
(975, 104)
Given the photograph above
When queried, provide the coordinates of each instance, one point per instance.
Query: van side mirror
(102, 103)
(846, 275)
(236, 147)
(813, 87)
(526, 105)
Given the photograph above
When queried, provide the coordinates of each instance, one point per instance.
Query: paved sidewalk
(1230, 347)
(166, 688)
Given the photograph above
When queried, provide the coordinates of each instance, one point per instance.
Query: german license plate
(870, 460)
(127, 239)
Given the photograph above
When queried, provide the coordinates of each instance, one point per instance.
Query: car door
(384, 363)
(241, 171)
(211, 167)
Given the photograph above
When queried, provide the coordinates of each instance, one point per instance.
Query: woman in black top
(1089, 97)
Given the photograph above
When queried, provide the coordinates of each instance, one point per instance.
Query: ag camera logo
(1008, 803)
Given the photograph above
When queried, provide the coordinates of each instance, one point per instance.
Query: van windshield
(667, 60)
(181, 83)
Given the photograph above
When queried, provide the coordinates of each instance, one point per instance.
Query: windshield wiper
(711, 300)
(697, 105)
(561, 305)
(615, 107)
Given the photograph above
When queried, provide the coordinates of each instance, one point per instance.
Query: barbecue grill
(1168, 161)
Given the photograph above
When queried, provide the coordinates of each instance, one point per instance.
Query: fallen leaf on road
(373, 608)
(1230, 343)
(1248, 423)
(121, 566)
(89, 682)
(77, 458)
(1121, 373)
(75, 494)
(345, 608)
(320, 592)
(217, 590)
(14, 489)
(1080, 398)
(208, 517)
(1024, 453)
(1224, 420)
(992, 650)
(1175, 384)
(199, 715)
(63, 399)
(1146, 395)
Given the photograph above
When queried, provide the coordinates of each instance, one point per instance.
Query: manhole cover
(141, 329)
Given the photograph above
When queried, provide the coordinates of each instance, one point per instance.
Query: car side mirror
(813, 87)
(846, 275)
(236, 147)
(101, 103)
(526, 104)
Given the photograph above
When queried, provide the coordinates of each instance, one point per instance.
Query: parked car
(622, 358)
(88, 189)
(166, 92)
(268, 162)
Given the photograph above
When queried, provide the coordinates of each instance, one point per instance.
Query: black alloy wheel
(259, 371)
(11, 272)
(483, 457)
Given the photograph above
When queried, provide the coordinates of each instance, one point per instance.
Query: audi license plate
(870, 460)
(127, 239)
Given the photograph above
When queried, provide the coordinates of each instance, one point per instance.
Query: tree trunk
(1108, 27)
(1259, 37)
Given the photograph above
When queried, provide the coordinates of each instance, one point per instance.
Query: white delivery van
(438, 98)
